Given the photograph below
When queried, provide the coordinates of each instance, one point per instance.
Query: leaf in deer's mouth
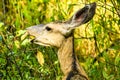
(32, 39)
(26, 35)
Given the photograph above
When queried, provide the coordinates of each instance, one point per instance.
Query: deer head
(54, 33)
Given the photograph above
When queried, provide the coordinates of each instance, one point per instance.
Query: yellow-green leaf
(40, 58)
(24, 36)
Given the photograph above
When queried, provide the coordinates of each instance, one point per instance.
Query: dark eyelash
(48, 28)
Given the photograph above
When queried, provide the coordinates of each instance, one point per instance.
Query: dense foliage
(97, 43)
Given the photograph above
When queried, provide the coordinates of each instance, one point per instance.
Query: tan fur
(60, 36)
(65, 58)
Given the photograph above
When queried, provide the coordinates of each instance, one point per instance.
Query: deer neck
(67, 58)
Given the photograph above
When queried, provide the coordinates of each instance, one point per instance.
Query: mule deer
(60, 35)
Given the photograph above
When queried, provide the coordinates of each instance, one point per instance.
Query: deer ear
(83, 15)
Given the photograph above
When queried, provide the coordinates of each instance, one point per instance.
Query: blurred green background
(97, 43)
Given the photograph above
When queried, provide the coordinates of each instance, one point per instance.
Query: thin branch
(107, 9)
(84, 38)
(115, 6)
(101, 53)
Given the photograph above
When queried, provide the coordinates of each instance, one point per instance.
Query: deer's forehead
(54, 25)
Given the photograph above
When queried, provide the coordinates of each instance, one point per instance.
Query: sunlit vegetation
(97, 43)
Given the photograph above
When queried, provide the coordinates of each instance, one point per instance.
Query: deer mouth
(33, 39)
(41, 43)
(34, 34)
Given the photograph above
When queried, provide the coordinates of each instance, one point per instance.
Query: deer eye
(48, 28)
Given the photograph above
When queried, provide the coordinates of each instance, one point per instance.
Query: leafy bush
(97, 43)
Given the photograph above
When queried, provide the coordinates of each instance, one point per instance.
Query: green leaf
(1, 24)
(0, 38)
(118, 1)
(105, 74)
(119, 22)
(25, 42)
(20, 32)
(117, 59)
